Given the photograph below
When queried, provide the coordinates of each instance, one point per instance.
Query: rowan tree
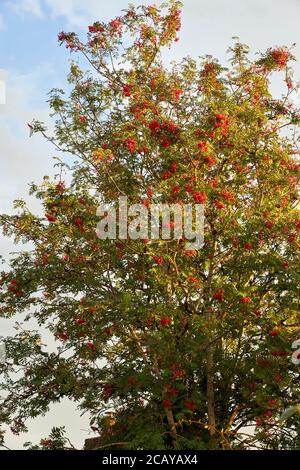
(163, 346)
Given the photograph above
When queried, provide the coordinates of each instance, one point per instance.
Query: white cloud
(22, 159)
(64, 414)
(208, 25)
(2, 26)
(29, 6)
(80, 13)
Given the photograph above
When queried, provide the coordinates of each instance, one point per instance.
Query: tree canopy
(164, 347)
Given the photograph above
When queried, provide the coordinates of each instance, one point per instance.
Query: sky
(32, 63)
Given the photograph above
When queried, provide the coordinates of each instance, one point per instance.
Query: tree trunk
(210, 393)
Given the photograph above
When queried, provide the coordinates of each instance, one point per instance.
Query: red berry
(154, 126)
(272, 402)
(219, 205)
(159, 260)
(167, 403)
(190, 253)
(190, 405)
(248, 246)
(166, 175)
(50, 217)
(199, 197)
(219, 295)
(131, 145)
(60, 187)
(78, 222)
(246, 300)
(126, 90)
(62, 336)
(174, 167)
(269, 224)
(165, 321)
